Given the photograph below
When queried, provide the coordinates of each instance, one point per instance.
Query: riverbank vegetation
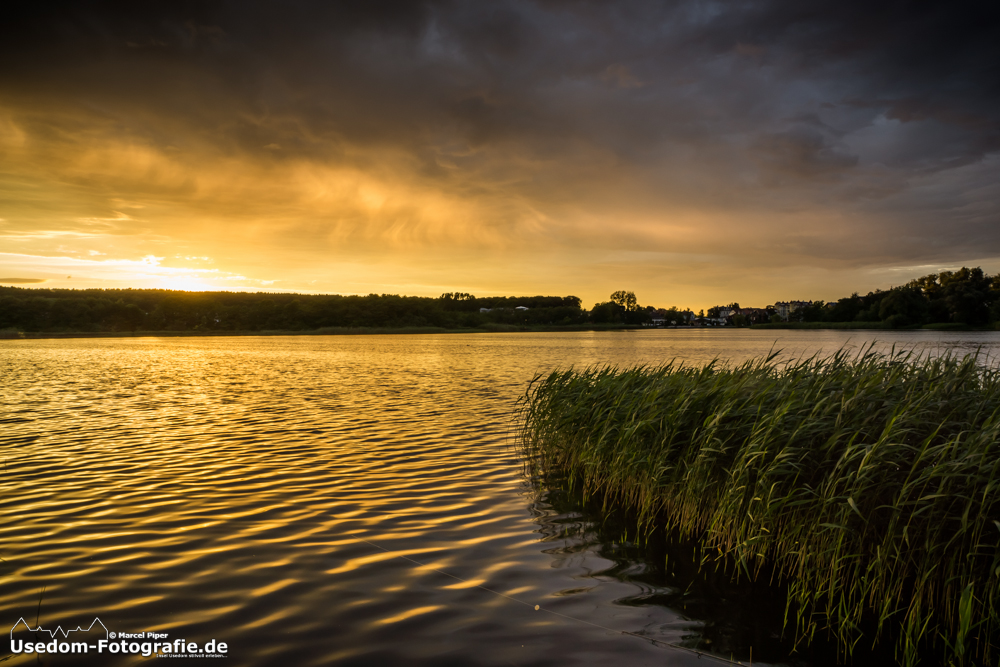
(938, 326)
(128, 310)
(147, 311)
(967, 297)
(869, 484)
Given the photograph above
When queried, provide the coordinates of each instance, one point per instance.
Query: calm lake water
(349, 499)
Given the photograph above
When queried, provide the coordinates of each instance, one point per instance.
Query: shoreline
(326, 331)
(392, 331)
(877, 326)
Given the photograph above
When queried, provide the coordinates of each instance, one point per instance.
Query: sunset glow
(690, 155)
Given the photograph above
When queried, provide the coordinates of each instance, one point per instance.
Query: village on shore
(731, 315)
(966, 297)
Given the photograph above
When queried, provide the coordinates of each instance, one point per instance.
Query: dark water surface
(348, 499)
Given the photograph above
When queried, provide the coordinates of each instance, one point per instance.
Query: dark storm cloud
(496, 71)
(627, 109)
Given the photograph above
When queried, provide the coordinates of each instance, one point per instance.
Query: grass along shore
(18, 334)
(941, 326)
(869, 482)
(14, 334)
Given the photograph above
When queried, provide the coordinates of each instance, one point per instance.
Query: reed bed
(869, 482)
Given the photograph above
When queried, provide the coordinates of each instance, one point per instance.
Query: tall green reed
(870, 482)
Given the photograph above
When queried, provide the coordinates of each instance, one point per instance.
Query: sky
(692, 152)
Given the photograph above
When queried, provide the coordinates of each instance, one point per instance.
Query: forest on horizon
(967, 297)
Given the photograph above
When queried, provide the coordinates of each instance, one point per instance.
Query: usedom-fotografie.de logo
(96, 638)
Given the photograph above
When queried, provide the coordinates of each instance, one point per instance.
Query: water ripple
(350, 500)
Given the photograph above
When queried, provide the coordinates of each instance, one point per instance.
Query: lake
(347, 499)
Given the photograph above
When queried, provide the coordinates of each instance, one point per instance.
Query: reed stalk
(870, 482)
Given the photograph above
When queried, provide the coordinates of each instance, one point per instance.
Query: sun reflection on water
(316, 499)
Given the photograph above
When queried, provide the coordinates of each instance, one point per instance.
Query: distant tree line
(967, 296)
(110, 310)
(624, 308)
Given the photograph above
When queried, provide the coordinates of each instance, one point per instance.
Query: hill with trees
(965, 297)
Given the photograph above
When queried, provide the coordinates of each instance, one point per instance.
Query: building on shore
(785, 309)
